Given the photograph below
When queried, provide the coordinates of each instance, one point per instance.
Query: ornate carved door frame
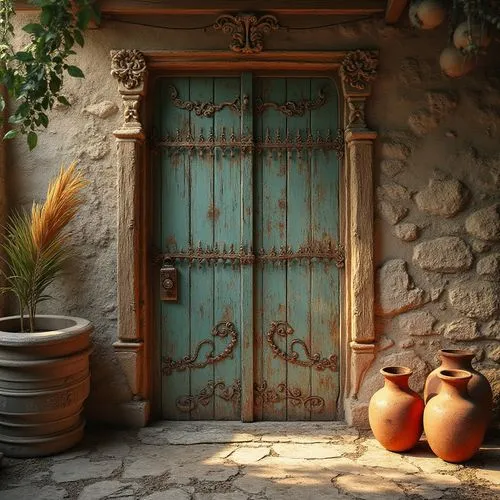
(135, 344)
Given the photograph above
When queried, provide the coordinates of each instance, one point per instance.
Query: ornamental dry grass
(35, 243)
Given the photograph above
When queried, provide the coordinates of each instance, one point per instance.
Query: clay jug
(395, 411)
(454, 424)
(478, 387)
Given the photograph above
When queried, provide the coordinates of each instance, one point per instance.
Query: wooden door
(247, 178)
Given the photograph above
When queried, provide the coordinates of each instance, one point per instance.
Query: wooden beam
(206, 7)
(394, 10)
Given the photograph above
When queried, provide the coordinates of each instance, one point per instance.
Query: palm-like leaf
(35, 243)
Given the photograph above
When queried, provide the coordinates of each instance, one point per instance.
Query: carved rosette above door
(135, 333)
(247, 31)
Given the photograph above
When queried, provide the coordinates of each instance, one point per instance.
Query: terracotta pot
(427, 14)
(479, 388)
(454, 63)
(471, 37)
(454, 424)
(395, 411)
(44, 381)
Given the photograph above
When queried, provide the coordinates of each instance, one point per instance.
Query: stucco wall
(437, 181)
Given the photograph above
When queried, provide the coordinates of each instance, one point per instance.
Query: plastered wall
(437, 192)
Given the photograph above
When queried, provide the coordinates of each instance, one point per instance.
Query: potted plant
(44, 359)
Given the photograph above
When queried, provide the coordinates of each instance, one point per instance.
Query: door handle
(168, 282)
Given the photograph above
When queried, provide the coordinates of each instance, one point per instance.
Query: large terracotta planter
(454, 424)
(478, 387)
(44, 381)
(395, 411)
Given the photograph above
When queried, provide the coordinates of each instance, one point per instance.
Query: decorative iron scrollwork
(296, 142)
(213, 389)
(283, 329)
(221, 330)
(316, 251)
(228, 255)
(266, 396)
(292, 108)
(247, 31)
(206, 109)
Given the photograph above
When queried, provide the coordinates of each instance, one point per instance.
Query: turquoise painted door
(247, 177)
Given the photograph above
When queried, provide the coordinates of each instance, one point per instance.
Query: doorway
(247, 216)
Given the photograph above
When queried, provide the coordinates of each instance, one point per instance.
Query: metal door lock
(168, 282)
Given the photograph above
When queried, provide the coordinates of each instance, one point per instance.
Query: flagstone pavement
(238, 461)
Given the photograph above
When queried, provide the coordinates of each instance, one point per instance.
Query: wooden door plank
(325, 289)
(247, 285)
(298, 217)
(202, 232)
(175, 232)
(157, 172)
(227, 231)
(272, 233)
(259, 337)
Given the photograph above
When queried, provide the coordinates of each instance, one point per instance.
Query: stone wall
(437, 194)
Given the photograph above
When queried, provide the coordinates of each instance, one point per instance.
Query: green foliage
(34, 75)
(485, 11)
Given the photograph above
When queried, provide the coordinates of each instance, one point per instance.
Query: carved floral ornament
(359, 69)
(247, 31)
(129, 68)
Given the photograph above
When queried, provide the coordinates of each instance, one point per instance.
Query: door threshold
(211, 432)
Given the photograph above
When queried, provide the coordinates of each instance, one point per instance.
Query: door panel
(247, 211)
(296, 206)
(200, 210)
(270, 231)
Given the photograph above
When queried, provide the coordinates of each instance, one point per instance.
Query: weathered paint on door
(247, 212)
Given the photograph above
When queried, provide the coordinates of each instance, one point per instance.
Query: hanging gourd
(455, 63)
(427, 14)
(471, 38)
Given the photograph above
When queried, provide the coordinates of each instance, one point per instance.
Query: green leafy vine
(34, 75)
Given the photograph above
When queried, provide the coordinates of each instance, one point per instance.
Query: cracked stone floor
(237, 461)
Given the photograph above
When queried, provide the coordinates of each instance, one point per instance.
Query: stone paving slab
(237, 461)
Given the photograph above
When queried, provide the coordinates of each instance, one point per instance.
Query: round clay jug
(395, 411)
(479, 388)
(454, 424)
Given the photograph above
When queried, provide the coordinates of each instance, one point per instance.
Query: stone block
(448, 254)
(485, 223)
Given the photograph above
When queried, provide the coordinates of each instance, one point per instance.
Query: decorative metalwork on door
(245, 256)
(246, 212)
(292, 108)
(204, 108)
(292, 143)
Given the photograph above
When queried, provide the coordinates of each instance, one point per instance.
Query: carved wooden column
(129, 68)
(358, 70)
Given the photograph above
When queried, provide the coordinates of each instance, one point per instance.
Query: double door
(246, 178)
